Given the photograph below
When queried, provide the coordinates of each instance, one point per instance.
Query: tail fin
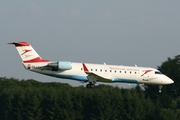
(27, 53)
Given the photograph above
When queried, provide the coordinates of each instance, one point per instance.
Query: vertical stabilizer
(27, 53)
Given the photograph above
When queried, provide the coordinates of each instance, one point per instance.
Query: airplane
(87, 72)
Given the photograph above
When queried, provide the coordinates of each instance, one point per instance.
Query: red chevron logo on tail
(25, 51)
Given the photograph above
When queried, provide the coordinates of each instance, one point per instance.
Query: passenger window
(119, 71)
(115, 71)
(91, 69)
(124, 71)
(105, 70)
(110, 70)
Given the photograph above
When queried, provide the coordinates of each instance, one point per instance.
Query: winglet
(85, 68)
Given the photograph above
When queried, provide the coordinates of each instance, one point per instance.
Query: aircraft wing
(92, 77)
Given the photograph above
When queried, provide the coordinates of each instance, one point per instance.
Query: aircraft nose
(168, 80)
(171, 81)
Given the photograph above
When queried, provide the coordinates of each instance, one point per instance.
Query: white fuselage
(86, 72)
(112, 73)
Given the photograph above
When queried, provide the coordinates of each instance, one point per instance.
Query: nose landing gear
(160, 87)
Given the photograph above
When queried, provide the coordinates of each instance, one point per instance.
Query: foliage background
(33, 100)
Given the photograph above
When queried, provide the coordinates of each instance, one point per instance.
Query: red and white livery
(91, 73)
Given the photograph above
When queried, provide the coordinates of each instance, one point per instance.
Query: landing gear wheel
(160, 87)
(90, 85)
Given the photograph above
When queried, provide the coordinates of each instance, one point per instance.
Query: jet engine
(60, 65)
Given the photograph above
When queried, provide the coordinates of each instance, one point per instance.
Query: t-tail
(27, 53)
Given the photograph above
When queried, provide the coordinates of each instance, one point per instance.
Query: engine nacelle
(60, 65)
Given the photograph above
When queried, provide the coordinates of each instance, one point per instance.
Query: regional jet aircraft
(91, 73)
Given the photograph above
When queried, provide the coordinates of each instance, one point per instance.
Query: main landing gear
(160, 87)
(90, 85)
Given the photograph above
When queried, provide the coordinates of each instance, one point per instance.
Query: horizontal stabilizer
(18, 44)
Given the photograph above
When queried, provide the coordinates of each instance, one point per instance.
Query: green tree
(30, 99)
(171, 68)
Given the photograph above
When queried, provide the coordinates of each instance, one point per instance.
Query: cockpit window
(157, 72)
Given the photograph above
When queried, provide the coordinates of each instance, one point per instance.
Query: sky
(117, 32)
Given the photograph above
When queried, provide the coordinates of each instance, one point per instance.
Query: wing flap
(94, 77)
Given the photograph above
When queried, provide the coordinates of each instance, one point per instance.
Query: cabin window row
(112, 71)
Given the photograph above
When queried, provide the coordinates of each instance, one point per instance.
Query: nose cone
(171, 81)
(168, 80)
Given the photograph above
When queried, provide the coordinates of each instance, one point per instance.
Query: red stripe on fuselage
(146, 71)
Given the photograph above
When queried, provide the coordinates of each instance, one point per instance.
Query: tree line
(33, 100)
